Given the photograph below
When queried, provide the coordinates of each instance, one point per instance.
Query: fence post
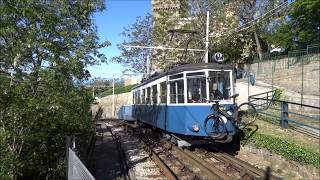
(68, 145)
(284, 115)
(272, 71)
(302, 80)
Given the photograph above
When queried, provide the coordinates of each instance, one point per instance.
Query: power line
(163, 48)
(254, 21)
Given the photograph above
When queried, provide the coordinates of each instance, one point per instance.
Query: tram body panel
(126, 113)
(176, 101)
(177, 119)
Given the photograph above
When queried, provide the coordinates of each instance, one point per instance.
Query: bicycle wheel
(247, 114)
(214, 126)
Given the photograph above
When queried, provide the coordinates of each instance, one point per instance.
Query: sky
(110, 23)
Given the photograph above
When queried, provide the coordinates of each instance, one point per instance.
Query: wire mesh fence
(76, 169)
(297, 75)
(267, 56)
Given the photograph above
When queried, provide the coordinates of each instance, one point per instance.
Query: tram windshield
(219, 85)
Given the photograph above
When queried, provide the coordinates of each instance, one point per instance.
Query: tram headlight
(229, 113)
(195, 127)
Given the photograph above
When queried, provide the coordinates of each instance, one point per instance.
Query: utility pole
(113, 102)
(206, 58)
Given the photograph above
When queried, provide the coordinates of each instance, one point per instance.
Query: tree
(154, 31)
(302, 26)
(137, 34)
(45, 47)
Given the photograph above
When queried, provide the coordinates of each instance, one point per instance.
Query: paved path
(106, 155)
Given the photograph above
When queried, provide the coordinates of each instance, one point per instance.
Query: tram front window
(196, 89)
(219, 85)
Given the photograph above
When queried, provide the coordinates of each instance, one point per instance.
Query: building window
(148, 100)
(196, 89)
(176, 92)
(163, 92)
(154, 94)
(219, 85)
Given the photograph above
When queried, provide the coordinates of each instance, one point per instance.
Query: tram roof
(187, 67)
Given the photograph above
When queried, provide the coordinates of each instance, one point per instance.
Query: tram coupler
(228, 138)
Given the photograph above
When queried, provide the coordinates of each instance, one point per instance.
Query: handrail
(316, 107)
(261, 93)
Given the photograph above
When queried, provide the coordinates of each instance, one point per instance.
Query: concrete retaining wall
(103, 107)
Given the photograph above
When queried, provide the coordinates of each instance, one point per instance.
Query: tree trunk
(258, 44)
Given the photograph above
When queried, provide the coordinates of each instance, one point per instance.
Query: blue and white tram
(177, 101)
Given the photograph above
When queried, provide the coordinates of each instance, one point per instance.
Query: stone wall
(288, 74)
(103, 106)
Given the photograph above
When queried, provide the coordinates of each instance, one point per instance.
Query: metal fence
(287, 114)
(297, 73)
(267, 56)
(75, 169)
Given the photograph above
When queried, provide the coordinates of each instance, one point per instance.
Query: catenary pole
(206, 58)
(113, 101)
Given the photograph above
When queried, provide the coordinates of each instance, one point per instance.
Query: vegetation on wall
(117, 90)
(282, 147)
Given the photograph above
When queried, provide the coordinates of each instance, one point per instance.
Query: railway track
(179, 163)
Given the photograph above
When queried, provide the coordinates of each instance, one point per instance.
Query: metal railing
(75, 169)
(287, 114)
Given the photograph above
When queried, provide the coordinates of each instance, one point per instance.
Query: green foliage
(117, 90)
(278, 95)
(301, 27)
(8, 160)
(46, 45)
(137, 34)
(282, 147)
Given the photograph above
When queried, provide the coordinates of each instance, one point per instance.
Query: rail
(180, 163)
(288, 114)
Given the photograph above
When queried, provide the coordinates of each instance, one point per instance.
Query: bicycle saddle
(235, 95)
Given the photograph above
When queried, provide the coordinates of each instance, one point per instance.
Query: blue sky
(110, 23)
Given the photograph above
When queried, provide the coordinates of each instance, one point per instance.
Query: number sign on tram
(218, 57)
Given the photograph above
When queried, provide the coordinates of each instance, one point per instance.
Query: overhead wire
(253, 22)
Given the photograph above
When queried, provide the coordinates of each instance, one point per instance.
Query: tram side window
(176, 91)
(148, 100)
(143, 99)
(154, 94)
(138, 97)
(163, 92)
(134, 97)
(196, 89)
(219, 85)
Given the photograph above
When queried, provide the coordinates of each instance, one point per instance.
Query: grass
(117, 90)
(283, 147)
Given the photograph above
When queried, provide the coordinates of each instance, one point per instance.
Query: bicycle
(241, 116)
